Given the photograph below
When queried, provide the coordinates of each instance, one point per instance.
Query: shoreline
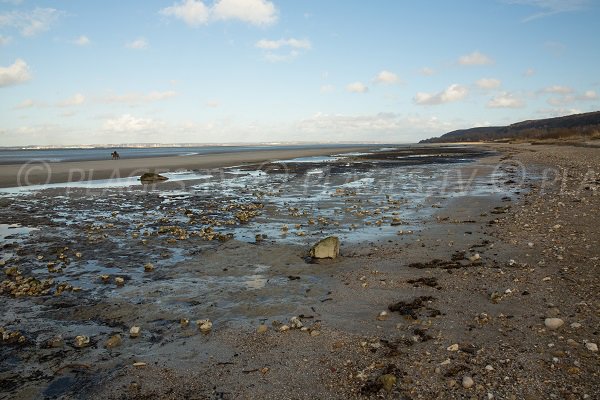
(15, 175)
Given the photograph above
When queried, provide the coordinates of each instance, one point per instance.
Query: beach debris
(113, 341)
(326, 248)
(553, 323)
(204, 325)
(81, 341)
(467, 382)
(151, 177)
(134, 331)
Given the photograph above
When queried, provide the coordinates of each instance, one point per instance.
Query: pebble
(149, 267)
(382, 316)
(284, 328)
(315, 333)
(489, 368)
(453, 347)
(114, 341)
(553, 323)
(474, 257)
(184, 322)
(388, 381)
(591, 346)
(119, 281)
(81, 341)
(295, 323)
(467, 382)
(262, 328)
(134, 331)
(575, 325)
(204, 325)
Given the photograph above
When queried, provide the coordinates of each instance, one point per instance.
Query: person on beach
(115, 155)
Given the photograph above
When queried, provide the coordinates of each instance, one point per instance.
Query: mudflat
(455, 280)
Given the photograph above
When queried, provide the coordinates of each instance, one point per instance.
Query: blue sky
(219, 71)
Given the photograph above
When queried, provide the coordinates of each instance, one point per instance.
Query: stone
(134, 331)
(81, 341)
(295, 323)
(139, 364)
(553, 323)
(453, 347)
(387, 381)
(591, 347)
(262, 328)
(55, 342)
(284, 328)
(204, 325)
(575, 325)
(314, 333)
(151, 177)
(113, 341)
(184, 322)
(475, 257)
(149, 267)
(382, 316)
(326, 248)
(467, 382)
(119, 281)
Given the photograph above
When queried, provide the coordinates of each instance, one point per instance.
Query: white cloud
(195, 12)
(4, 40)
(27, 103)
(557, 89)
(192, 12)
(452, 93)
(14, 74)
(128, 123)
(32, 22)
(213, 104)
(133, 98)
(76, 100)
(256, 12)
(327, 88)
(357, 87)
(82, 41)
(505, 100)
(550, 7)
(589, 95)
(475, 58)
(294, 48)
(427, 71)
(137, 44)
(529, 72)
(386, 77)
(488, 83)
(277, 44)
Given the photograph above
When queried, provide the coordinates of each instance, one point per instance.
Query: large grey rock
(151, 177)
(326, 248)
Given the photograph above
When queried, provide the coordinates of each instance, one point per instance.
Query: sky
(231, 71)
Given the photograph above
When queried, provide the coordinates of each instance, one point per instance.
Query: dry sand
(39, 173)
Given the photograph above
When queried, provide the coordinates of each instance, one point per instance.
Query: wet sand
(476, 282)
(40, 173)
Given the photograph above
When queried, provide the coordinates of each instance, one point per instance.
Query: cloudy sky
(217, 71)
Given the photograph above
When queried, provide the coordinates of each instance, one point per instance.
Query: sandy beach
(41, 173)
(488, 291)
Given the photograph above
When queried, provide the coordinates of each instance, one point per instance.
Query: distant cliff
(581, 125)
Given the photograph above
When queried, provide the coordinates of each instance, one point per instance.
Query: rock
(56, 341)
(475, 257)
(284, 328)
(326, 248)
(591, 347)
(149, 267)
(453, 347)
(105, 278)
(295, 323)
(113, 341)
(82, 341)
(553, 323)
(575, 325)
(204, 325)
(119, 281)
(489, 368)
(467, 382)
(184, 322)
(314, 333)
(387, 381)
(134, 331)
(382, 316)
(262, 328)
(139, 364)
(151, 177)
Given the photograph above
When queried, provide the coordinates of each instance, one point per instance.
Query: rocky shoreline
(496, 297)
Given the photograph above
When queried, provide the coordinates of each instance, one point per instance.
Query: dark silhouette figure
(115, 155)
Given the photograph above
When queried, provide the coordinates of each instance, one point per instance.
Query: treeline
(585, 125)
